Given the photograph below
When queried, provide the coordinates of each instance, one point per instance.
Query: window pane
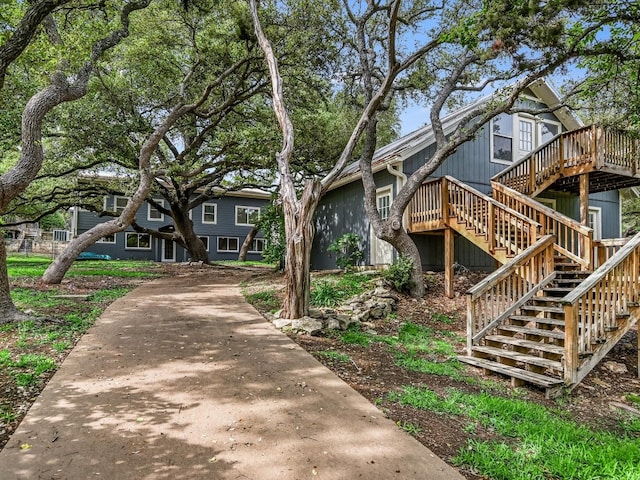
(233, 244)
(526, 136)
(503, 125)
(205, 241)
(209, 213)
(549, 130)
(144, 240)
(222, 243)
(502, 148)
(120, 203)
(384, 205)
(132, 240)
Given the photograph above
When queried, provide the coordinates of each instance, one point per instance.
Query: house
(535, 199)
(221, 223)
(508, 139)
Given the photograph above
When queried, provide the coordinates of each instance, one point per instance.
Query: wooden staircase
(561, 300)
(529, 345)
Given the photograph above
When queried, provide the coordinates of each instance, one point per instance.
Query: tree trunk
(8, 312)
(299, 230)
(184, 227)
(242, 256)
(406, 247)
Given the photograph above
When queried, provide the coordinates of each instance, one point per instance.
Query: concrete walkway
(182, 379)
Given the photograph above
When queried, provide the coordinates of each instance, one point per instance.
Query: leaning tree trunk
(242, 256)
(184, 226)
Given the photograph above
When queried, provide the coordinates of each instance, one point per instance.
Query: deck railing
(592, 145)
(600, 305)
(603, 250)
(505, 290)
(573, 240)
(440, 200)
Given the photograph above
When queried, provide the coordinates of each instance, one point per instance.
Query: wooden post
(448, 262)
(570, 344)
(584, 199)
(561, 154)
(491, 228)
(445, 200)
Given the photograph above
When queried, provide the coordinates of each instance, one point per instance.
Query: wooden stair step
(574, 273)
(531, 345)
(532, 331)
(541, 308)
(518, 356)
(546, 299)
(570, 281)
(563, 290)
(531, 377)
(544, 320)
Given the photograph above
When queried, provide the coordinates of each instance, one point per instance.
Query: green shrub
(347, 250)
(398, 275)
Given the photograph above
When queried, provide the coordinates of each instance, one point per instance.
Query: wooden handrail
(573, 239)
(505, 290)
(594, 309)
(493, 201)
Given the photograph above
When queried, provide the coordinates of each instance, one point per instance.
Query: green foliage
(347, 249)
(272, 225)
(265, 300)
(398, 275)
(409, 427)
(53, 221)
(334, 356)
(543, 444)
(633, 398)
(354, 336)
(331, 290)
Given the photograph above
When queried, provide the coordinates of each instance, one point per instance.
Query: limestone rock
(281, 322)
(308, 325)
(615, 367)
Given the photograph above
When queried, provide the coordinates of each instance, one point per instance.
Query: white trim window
(108, 239)
(228, 244)
(547, 202)
(247, 216)
(258, 245)
(137, 241)
(153, 214)
(502, 139)
(383, 202)
(119, 203)
(594, 221)
(209, 213)
(205, 241)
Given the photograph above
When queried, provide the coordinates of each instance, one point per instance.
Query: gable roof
(407, 145)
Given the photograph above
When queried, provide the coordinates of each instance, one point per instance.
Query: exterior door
(168, 251)
(381, 251)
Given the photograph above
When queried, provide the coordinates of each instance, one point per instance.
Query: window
(205, 241)
(209, 213)
(247, 215)
(548, 130)
(526, 135)
(153, 214)
(119, 203)
(137, 241)
(502, 130)
(383, 200)
(228, 244)
(257, 245)
(108, 239)
(595, 222)
(547, 202)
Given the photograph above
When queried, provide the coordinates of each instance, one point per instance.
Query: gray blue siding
(225, 226)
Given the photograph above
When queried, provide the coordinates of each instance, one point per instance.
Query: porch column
(584, 199)
(448, 262)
